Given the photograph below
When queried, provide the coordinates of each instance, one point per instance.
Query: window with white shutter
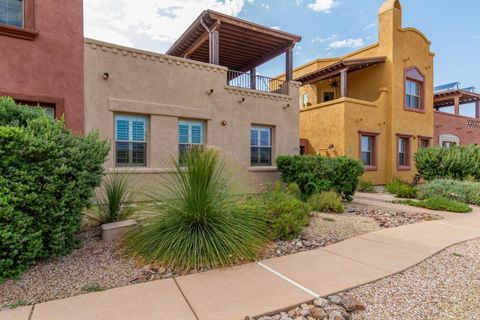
(130, 141)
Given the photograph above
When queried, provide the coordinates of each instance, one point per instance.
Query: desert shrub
(294, 190)
(48, 175)
(463, 191)
(365, 186)
(286, 214)
(315, 174)
(457, 163)
(327, 201)
(201, 220)
(114, 200)
(439, 203)
(406, 191)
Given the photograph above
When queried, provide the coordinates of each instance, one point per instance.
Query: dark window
(11, 12)
(261, 146)
(130, 141)
(424, 143)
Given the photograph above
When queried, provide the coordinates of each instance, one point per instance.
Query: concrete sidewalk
(258, 288)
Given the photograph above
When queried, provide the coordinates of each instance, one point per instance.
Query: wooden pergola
(341, 68)
(456, 97)
(237, 44)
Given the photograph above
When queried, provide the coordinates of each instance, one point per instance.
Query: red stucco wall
(50, 66)
(466, 128)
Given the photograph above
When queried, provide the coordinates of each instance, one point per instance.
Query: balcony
(252, 81)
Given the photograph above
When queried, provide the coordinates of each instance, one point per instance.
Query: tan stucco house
(204, 91)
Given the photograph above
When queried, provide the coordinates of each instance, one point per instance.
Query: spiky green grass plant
(114, 199)
(201, 220)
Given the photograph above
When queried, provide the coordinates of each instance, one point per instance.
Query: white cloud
(370, 26)
(476, 37)
(325, 6)
(161, 20)
(266, 6)
(331, 38)
(276, 27)
(347, 43)
(298, 2)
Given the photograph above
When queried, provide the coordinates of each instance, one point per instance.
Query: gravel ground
(445, 286)
(98, 266)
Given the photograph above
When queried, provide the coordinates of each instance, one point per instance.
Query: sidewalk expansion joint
(354, 260)
(186, 300)
(457, 226)
(296, 284)
(31, 313)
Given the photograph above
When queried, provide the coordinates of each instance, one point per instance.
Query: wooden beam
(477, 109)
(197, 44)
(456, 104)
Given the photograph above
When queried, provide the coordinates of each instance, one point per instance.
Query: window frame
(130, 141)
(190, 123)
(424, 138)
(259, 128)
(32, 100)
(374, 152)
(413, 74)
(305, 99)
(27, 32)
(408, 152)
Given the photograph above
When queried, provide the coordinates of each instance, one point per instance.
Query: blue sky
(328, 27)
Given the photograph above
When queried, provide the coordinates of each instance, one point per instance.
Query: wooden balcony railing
(252, 81)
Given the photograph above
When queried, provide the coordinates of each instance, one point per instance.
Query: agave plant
(201, 221)
(114, 199)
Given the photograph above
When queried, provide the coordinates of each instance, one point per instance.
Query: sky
(328, 28)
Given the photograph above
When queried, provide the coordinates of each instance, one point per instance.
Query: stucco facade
(42, 62)
(168, 89)
(375, 102)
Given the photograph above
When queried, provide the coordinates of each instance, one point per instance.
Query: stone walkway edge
(269, 286)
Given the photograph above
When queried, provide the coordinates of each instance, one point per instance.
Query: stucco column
(288, 64)
(456, 103)
(343, 83)
(477, 109)
(214, 47)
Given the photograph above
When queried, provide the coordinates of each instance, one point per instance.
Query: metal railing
(252, 81)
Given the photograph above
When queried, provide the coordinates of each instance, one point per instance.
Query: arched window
(414, 90)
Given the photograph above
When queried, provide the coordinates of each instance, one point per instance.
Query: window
(423, 142)
(403, 152)
(449, 144)
(305, 99)
(368, 150)
(413, 95)
(130, 141)
(190, 134)
(11, 12)
(261, 146)
(414, 80)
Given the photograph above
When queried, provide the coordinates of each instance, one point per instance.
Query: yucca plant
(201, 220)
(114, 199)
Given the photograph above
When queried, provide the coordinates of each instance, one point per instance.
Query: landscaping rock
(351, 304)
(335, 299)
(336, 315)
(318, 313)
(321, 302)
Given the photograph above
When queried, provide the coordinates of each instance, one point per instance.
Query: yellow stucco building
(374, 104)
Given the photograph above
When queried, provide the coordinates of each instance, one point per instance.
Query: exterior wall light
(224, 123)
(106, 75)
(210, 91)
(241, 100)
(287, 106)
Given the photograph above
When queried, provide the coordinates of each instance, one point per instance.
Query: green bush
(201, 221)
(315, 174)
(463, 191)
(287, 215)
(439, 203)
(47, 177)
(114, 199)
(457, 163)
(365, 186)
(406, 191)
(327, 201)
